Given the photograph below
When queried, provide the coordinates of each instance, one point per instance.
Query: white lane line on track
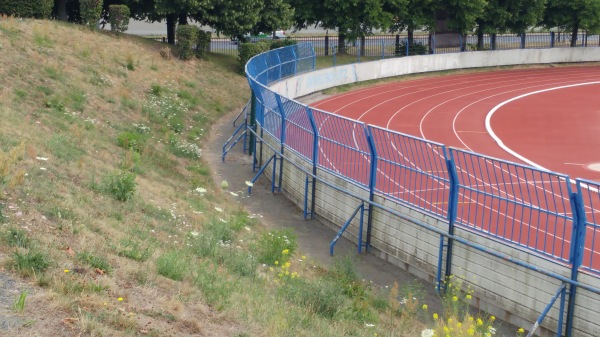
(497, 139)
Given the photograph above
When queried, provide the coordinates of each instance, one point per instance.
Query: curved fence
(521, 205)
(540, 212)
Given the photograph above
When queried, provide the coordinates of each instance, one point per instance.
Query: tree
(351, 18)
(275, 14)
(231, 17)
(573, 15)
(463, 14)
(412, 15)
(514, 15)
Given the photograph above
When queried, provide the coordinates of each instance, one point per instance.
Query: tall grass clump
(119, 185)
(173, 264)
(276, 246)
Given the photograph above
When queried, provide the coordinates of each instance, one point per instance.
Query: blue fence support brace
(360, 208)
(283, 127)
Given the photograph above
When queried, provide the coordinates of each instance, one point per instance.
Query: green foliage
(64, 147)
(172, 264)
(131, 140)
(16, 237)
(3, 217)
(282, 43)
(38, 9)
(32, 262)
(276, 246)
(19, 304)
(187, 36)
(90, 10)
(94, 261)
(214, 285)
(136, 250)
(202, 43)
(246, 51)
(119, 185)
(414, 49)
(321, 297)
(118, 18)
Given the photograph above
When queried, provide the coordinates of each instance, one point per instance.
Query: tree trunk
(62, 10)
(183, 20)
(493, 42)
(362, 46)
(342, 43)
(411, 35)
(480, 29)
(574, 34)
(171, 23)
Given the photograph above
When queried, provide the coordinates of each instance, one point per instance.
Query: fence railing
(521, 205)
(385, 46)
(533, 210)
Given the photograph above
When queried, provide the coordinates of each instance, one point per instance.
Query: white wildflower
(427, 333)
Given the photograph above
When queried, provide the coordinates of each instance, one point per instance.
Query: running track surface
(546, 117)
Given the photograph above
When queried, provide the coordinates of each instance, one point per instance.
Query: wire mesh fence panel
(522, 205)
(590, 195)
(223, 46)
(537, 40)
(412, 170)
(343, 147)
(305, 57)
(299, 135)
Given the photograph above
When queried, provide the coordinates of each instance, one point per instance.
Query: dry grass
(67, 95)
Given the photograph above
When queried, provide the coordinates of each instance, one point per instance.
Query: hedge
(202, 43)
(187, 36)
(91, 10)
(119, 18)
(37, 9)
(248, 50)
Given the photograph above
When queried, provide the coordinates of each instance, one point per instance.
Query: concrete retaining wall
(516, 294)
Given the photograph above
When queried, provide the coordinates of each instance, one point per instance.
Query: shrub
(16, 237)
(187, 36)
(282, 43)
(91, 10)
(120, 186)
(131, 140)
(249, 50)
(202, 43)
(38, 9)
(415, 49)
(119, 18)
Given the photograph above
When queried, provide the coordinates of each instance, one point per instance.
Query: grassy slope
(82, 109)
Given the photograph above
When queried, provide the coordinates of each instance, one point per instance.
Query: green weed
(32, 262)
(119, 185)
(64, 147)
(16, 237)
(135, 250)
(19, 304)
(173, 264)
(131, 140)
(214, 285)
(277, 245)
(94, 261)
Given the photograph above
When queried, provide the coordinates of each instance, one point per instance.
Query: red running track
(558, 129)
(546, 117)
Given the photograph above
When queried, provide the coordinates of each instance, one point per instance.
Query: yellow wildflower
(424, 306)
(435, 316)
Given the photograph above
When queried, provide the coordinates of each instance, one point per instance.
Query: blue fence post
(295, 60)
(452, 211)
(372, 183)
(315, 158)
(283, 127)
(577, 250)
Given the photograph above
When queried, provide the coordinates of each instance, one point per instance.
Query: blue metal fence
(521, 205)
(528, 208)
